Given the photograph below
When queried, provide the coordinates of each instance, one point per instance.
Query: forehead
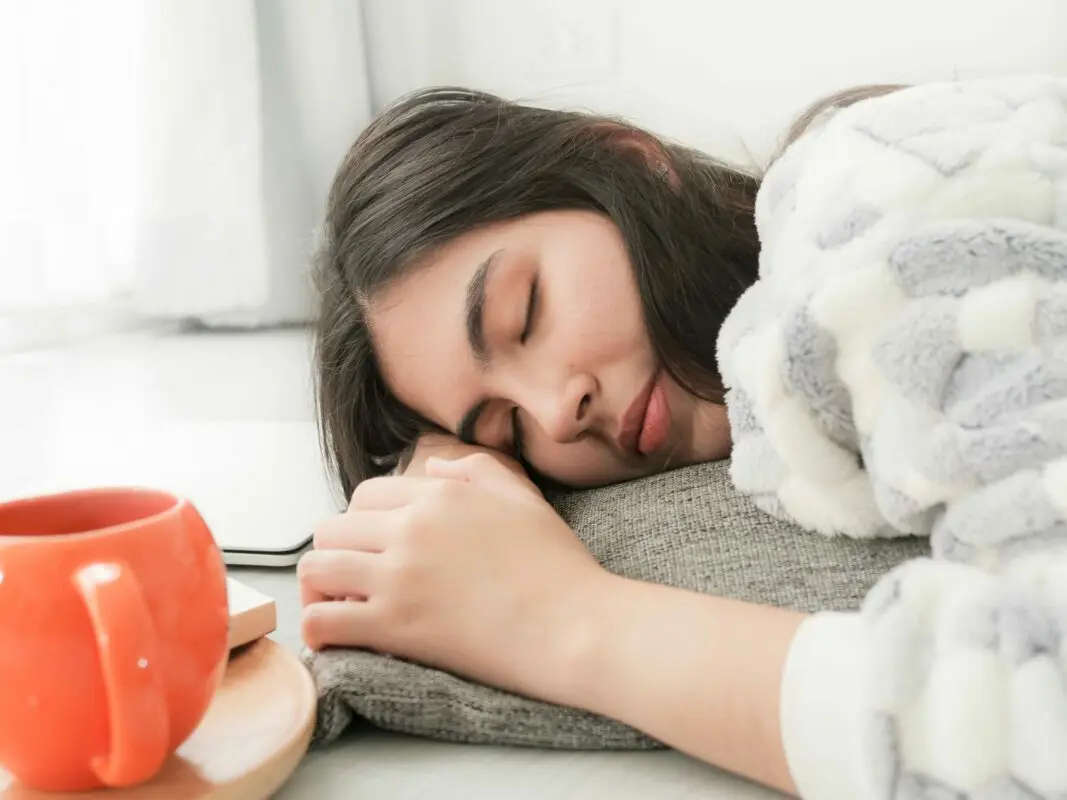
(419, 329)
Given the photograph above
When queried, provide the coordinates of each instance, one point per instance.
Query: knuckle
(323, 534)
(444, 491)
(314, 563)
(394, 576)
(482, 460)
(405, 539)
(407, 536)
(360, 493)
(423, 515)
(305, 566)
(409, 521)
(399, 616)
(400, 570)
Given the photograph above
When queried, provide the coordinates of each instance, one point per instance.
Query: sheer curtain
(168, 158)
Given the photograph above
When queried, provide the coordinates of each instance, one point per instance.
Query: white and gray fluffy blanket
(900, 368)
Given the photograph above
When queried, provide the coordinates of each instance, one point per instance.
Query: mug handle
(126, 639)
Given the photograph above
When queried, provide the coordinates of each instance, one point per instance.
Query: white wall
(725, 75)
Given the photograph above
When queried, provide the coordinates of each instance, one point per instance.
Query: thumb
(485, 471)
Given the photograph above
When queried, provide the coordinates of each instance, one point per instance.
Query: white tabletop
(228, 418)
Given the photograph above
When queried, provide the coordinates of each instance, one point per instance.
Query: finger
(355, 530)
(338, 624)
(309, 596)
(308, 593)
(335, 573)
(386, 493)
(485, 471)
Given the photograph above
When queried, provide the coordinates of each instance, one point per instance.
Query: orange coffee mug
(113, 634)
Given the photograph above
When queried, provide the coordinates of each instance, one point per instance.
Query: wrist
(571, 660)
(601, 635)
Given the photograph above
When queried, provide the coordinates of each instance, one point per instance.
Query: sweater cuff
(821, 705)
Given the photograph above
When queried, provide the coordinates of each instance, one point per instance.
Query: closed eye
(527, 329)
(531, 310)
(518, 450)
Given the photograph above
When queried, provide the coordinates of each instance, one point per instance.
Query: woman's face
(527, 336)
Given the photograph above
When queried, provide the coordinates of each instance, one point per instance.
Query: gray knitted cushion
(688, 528)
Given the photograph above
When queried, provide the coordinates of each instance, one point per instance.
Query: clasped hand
(467, 569)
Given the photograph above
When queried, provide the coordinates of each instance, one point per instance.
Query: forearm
(700, 673)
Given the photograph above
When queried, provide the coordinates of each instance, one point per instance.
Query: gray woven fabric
(688, 528)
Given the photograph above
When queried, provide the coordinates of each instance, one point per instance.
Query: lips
(646, 422)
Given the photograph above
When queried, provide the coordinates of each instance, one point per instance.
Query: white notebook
(260, 485)
(253, 614)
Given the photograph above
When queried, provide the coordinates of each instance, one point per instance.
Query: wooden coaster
(254, 735)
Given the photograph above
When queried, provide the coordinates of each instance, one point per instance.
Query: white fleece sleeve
(952, 682)
(821, 701)
(905, 368)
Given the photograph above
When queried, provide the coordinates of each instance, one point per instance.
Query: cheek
(600, 328)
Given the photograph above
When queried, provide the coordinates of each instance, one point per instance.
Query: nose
(565, 414)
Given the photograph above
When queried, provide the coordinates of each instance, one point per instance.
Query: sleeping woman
(873, 330)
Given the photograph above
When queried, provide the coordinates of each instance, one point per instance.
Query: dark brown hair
(442, 162)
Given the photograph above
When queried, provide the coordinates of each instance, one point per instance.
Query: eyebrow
(474, 309)
(474, 313)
